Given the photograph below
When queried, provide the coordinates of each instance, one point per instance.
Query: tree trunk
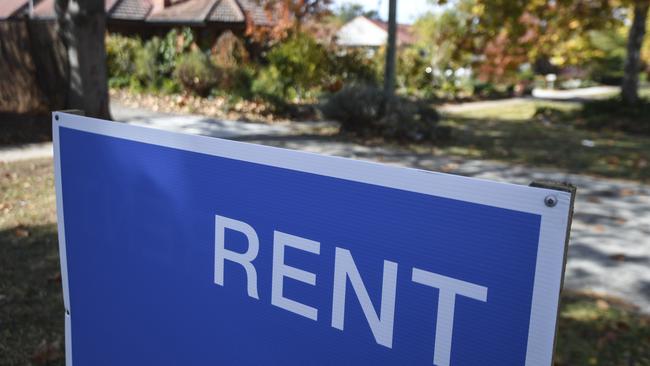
(391, 50)
(82, 25)
(629, 89)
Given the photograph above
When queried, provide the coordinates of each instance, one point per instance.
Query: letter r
(221, 254)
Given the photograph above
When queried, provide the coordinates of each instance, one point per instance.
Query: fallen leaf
(617, 257)
(55, 277)
(593, 199)
(622, 326)
(626, 192)
(449, 167)
(20, 232)
(599, 228)
(47, 352)
(602, 304)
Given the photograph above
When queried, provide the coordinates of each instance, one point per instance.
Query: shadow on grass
(31, 304)
(597, 330)
(553, 138)
(615, 115)
(593, 330)
(22, 129)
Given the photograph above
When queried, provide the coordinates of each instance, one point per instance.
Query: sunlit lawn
(593, 330)
(545, 133)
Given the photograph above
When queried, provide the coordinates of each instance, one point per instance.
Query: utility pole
(391, 51)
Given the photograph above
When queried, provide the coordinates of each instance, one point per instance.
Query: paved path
(610, 241)
(572, 95)
(24, 152)
(609, 250)
(577, 94)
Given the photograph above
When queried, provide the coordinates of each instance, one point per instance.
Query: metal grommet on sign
(550, 200)
(56, 117)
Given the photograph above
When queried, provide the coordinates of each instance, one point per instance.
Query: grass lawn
(593, 330)
(546, 133)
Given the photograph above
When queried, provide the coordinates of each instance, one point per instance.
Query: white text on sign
(381, 324)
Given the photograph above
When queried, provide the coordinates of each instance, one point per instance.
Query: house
(32, 57)
(371, 33)
(208, 18)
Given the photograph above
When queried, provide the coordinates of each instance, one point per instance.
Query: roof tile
(190, 11)
(131, 10)
(227, 11)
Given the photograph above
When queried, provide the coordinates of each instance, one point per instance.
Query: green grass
(596, 330)
(31, 306)
(550, 134)
(593, 330)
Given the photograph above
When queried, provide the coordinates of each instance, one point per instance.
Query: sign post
(180, 249)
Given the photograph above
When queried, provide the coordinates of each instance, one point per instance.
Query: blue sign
(188, 250)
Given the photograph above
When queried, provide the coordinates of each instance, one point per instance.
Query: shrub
(229, 51)
(357, 108)
(230, 56)
(171, 48)
(350, 66)
(242, 79)
(364, 111)
(411, 72)
(120, 59)
(296, 68)
(196, 73)
(490, 90)
(267, 86)
(155, 62)
(146, 63)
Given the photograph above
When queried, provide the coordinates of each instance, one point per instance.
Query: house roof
(45, 8)
(227, 11)
(255, 12)
(8, 8)
(131, 10)
(404, 31)
(179, 12)
(364, 32)
(194, 11)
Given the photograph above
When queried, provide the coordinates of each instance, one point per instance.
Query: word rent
(380, 323)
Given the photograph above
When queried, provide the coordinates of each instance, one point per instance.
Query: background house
(365, 32)
(32, 56)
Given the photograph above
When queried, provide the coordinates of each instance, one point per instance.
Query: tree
(82, 26)
(510, 32)
(347, 12)
(391, 50)
(444, 37)
(630, 86)
(285, 17)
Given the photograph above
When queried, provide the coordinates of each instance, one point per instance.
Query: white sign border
(554, 220)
